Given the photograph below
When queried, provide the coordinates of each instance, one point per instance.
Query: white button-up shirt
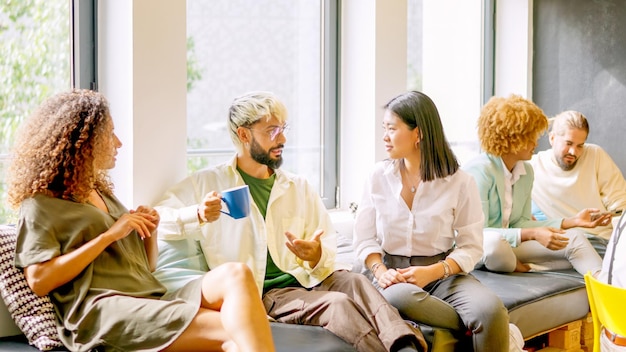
(446, 213)
(293, 206)
(510, 177)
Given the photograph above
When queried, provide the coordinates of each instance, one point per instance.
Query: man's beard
(565, 166)
(263, 157)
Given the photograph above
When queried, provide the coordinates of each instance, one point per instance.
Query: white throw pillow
(34, 315)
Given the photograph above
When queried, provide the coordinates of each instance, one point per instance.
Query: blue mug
(237, 201)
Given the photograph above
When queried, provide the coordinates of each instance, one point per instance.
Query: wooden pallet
(576, 336)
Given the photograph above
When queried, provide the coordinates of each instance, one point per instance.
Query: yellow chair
(607, 308)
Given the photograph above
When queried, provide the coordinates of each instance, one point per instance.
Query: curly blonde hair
(59, 147)
(508, 125)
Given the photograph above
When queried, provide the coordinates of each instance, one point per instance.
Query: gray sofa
(36, 315)
(287, 337)
(537, 303)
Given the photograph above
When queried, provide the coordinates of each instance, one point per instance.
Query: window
(445, 60)
(284, 46)
(579, 63)
(36, 62)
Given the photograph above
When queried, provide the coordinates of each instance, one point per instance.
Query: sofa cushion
(34, 315)
(307, 338)
(287, 338)
(7, 325)
(539, 301)
(180, 261)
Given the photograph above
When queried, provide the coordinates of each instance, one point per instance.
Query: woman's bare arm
(47, 276)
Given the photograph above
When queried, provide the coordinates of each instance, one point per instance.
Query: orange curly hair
(508, 125)
(59, 147)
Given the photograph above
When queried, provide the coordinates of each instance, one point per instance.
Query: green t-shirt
(260, 190)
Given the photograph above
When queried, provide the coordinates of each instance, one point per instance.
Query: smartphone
(616, 212)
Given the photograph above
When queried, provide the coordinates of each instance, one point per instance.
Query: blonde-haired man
(287, 239)
(573, 175)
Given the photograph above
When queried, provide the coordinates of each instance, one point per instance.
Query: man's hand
(209, 208)
(589, 218)
(593, 217)
(308, 250)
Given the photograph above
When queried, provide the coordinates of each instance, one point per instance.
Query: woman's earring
(417, 144)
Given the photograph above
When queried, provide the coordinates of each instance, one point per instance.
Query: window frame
(489, 51)
(329, 122)
(83, 49)
(84, 44)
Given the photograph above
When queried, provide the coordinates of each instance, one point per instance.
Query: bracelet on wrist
(375, 267)
(446, 269)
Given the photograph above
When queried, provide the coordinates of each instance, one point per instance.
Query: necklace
(408, 178)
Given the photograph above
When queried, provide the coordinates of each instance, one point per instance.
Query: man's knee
(577, 240)
(353, 279)
(576, 235)
(340, 302)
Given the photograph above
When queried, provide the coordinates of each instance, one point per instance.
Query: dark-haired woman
(419, 229)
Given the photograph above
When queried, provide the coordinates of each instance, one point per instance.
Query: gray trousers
(348, 305)
(598, 243)
(460, 303)
(579, 254)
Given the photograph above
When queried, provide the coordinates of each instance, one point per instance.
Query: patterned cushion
(34, 315)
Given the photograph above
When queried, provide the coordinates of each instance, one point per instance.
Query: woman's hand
(549, 237)
(421, 275)
(150, 242)
(153, 217)
(389, 277)
(142, 222)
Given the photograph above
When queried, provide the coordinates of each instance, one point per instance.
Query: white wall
(373, 70)
(142, 62)
(453, 69)
(142, 70)
(514, 48)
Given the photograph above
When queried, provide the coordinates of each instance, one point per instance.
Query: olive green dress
(115, 303)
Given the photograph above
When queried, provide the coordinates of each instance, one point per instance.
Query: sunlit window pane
(245, 45)
(35, 63)
(444, 55)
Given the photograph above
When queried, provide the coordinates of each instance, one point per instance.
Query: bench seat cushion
(539, 301)
(287, 338)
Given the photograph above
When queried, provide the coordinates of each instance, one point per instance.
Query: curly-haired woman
(508, 129)
(79, 244)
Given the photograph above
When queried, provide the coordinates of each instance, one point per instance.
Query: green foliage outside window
(35, 62)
